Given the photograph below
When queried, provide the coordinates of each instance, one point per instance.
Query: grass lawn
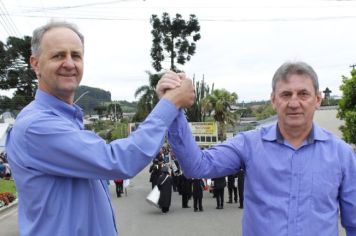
(7, 186)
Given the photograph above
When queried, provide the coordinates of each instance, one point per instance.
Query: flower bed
(6, 198)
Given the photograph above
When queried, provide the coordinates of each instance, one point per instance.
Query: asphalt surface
(135, 217)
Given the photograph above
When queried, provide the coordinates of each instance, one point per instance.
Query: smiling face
(59, 66)
(295, 101)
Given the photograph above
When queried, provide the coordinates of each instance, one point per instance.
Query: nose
(68, 62)
(293, 101)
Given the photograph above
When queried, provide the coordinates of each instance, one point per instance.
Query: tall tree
(347, 107)
(220, 103)
(176, 37)
(15, 70)
(114, 111)
(147, 97)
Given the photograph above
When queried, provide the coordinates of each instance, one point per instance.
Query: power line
(7, 18)
(283, 19)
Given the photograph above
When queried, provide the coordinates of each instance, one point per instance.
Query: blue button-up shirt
(58, 166)
(288, 191)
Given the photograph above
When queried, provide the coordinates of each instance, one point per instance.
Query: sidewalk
(11, 205)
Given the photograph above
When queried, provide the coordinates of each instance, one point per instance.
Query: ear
(34, 64)
(319, 98)
(273, 100)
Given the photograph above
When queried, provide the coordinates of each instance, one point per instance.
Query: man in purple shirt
(298, 176)
(58, 166)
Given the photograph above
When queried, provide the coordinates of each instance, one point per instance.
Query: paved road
(135, 217)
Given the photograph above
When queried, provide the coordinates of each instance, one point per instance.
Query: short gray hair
(295, 68)
(39, 32)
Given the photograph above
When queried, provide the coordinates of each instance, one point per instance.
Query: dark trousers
(198, 203)
(241, 197)
(231, 192)
(219, 195)
(119, 189)
(185, 199)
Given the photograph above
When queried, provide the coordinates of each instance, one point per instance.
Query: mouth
(67, 75)
(294, 114)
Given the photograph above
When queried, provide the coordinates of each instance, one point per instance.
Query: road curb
(8, 207)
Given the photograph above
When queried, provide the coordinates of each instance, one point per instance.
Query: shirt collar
(58, 106)
(272, 133)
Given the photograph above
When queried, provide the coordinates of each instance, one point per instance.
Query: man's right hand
(176, 88)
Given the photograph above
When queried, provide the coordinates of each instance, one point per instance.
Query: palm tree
(148, 98)
(219, 104)
(198, 111)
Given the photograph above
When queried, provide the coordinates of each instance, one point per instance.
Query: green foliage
(16, 72)
(244, 112)
(264, 111)
(200, 108)
(7, 186)
(128, 107)
(109, 130)
(177, 37)
(219, 103)
(147, 97)
(119, 131)
(93, 98)
(347, 107)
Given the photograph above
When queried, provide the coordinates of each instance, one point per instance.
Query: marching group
(167, 175)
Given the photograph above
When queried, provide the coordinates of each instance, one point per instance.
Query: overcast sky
(242, 42)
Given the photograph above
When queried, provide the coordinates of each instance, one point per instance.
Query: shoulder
(37, 119)
(330, 139)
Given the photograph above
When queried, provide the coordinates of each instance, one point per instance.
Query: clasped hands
(177, 88)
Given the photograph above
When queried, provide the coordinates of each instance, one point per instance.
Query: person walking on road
(198, 188)
(232, 188)
(219, 186)
(164, 184)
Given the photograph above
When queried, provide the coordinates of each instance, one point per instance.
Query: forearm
(184, 146)
(219, 160)
(67, 151)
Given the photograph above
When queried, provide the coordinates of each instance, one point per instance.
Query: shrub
(7, 198)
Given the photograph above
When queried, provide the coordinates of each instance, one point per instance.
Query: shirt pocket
(325, 189)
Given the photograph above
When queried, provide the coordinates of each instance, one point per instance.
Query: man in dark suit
(231, 187)
(219, 186)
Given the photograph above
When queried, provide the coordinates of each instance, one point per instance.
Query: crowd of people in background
(165, 172)
(5, 171)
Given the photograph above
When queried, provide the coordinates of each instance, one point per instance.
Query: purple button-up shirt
(58, 166)
(288, 191)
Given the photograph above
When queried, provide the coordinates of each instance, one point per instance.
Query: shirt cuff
(166, 111)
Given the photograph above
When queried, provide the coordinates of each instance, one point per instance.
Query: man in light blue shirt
(58, 166)
(298, 175)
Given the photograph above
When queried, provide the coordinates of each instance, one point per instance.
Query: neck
(295, 135)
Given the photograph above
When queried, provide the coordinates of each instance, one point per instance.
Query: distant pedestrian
(164, 184)
(198, 188)
(185, 189)
(119, 187)
(240, 184)
(232, 187)
(219, 186)
(155, 170)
